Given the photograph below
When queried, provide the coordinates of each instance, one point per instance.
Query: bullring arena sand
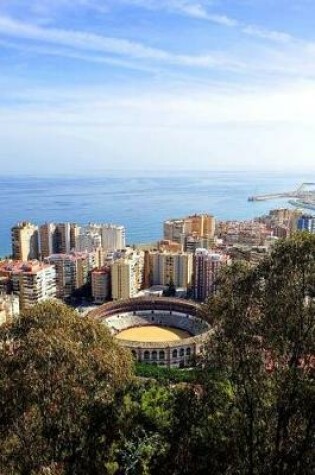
(152, 333)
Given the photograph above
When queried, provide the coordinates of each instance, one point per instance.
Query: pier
(305, 192)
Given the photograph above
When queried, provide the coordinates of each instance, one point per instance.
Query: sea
(140, 201)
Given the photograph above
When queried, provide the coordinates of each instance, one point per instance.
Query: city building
(206, 267)
(306, 222)
(24, 238)
(101, 284)
(192, 232)
(169, 267)
(72, 271)
(200, 224)
(32, 281)
(113, 236)
(127, 276)
(57, 238)
(168, 246)
(88, 241)
(47, 240)
(173, 230)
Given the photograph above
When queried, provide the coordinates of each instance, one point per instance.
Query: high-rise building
(206, 267)
(306, 222)
(65, 237)
(31, 281)
(173, 230)
(47, 239)
(198, 226)
(72, 271)
(113, 236)
(127, 275)
(88, 241)
(57, 238)
(24, 241)
(101, 284)
(169, 267)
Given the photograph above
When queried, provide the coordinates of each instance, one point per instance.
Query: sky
(91, 85)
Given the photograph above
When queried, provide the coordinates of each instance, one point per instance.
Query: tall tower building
(72, 271)
(206, 267)
(167, 267)
(127, 274)
(47, 239)
(200, 224)
(57, 238)
(113, 237)
(33, 282)
(24, 238)
(101, 284)
(174, 229)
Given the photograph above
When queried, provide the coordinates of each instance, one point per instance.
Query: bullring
(179, 318)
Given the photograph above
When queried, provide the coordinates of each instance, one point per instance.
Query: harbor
(303, 197)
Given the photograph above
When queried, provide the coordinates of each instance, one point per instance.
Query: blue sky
(88, 85)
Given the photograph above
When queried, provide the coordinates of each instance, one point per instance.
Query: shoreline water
(140, 203)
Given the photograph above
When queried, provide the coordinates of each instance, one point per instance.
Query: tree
(263, 348)
(60, 390)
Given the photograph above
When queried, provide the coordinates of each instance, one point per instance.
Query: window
(174, 354)
(162, 355)
(146, 355)
(154, 355)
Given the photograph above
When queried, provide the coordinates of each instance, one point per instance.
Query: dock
(305, 192)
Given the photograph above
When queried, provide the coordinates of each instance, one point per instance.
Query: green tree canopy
(264, 350)
(60, 380)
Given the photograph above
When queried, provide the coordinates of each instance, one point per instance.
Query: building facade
(101, 284)
(206, 267)
(24, 238)
(170, 267)
(306, 222)
(72, 271)
(127, 276)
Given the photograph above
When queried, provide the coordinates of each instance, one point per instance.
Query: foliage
(164, 374)
(60, 381)
(69, 403)
(263, 348)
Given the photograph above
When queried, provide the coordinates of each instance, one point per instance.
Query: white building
(34, 282)
(87, 241)
(113, 236)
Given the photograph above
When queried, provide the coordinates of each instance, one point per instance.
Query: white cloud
(85, 41)
(276, 36)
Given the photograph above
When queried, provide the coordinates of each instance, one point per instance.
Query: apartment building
(206, 267)
(127, 276)
(72, 271)
(198, 226)
(167, 267)
(31, 281)
(24, 238)
(57, 238)
(101, 284)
